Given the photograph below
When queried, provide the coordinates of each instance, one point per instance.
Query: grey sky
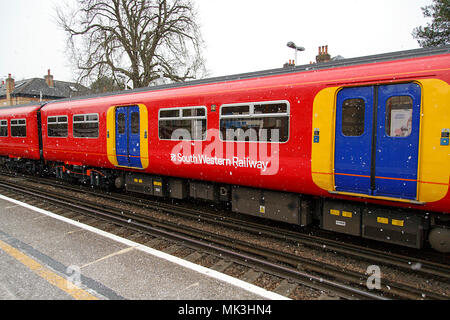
(240, 35)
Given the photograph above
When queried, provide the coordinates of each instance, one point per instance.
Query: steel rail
(221, 244)
(192, 238)
(426, 267)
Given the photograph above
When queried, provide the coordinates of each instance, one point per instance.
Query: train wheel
(119, 182)
(440, 239)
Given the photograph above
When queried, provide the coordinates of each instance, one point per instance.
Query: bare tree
(138, 40)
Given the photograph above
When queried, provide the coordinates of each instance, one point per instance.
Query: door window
(135, 122)
(399, 111)
(353, 111)
(121, 123)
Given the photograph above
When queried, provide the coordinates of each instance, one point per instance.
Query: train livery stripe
(87, 154)
(434, 160)
(347, 174)
(352, 175)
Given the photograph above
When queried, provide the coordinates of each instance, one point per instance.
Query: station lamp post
(292, 45)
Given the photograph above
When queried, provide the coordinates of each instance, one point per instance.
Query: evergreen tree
(437, 32)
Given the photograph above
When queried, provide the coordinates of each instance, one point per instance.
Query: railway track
(293, 270)
(425, 267)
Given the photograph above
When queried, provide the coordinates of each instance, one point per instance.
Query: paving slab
(99, 264)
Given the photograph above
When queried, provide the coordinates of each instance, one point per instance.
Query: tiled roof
(35, 86)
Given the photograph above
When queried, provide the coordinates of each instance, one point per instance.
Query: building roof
(36, 86)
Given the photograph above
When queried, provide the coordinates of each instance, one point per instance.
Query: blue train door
(353, 140)
(377, 140)
(128, 139)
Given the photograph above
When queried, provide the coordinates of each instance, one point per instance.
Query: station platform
(44, 256)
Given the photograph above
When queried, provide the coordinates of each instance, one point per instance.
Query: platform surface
(45, 256)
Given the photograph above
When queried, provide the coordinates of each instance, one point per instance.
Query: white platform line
(190, 265)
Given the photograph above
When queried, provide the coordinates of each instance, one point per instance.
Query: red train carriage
(74, 134)
(361, 145)
(19, 136)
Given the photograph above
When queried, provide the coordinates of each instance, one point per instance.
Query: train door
(128, 150)
(377, 140)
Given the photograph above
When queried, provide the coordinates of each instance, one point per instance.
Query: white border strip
(195, 267)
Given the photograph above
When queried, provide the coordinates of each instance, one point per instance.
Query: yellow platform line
(51, 277)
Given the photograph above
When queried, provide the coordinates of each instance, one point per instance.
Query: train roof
(19, 109)
(392, 56)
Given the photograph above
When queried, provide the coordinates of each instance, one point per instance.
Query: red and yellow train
(359, 146)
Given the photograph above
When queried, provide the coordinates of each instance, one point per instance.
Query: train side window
(19, 128)
(3, 128)
(399, 111)
(255, 122)
(187, 123)
(353, 113)
(57, 127)
(270, 108)
(85, 126)
(235, 110)
(135, 122)
(170, 113)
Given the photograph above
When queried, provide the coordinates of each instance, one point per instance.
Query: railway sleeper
(411, 229)
(379, 223)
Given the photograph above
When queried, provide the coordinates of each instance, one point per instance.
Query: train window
(57, 126)
(270, 108)
(353, 111)
(85, 126)
(256, 122)
(91, 117)
(399, 116)
(235, 110)
(19, 128)
(182, 123)
(193, 112)
(121, 123)
(3, 128)
(172, 113)
(135, 122)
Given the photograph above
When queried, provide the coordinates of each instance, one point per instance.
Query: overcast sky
(240, 35)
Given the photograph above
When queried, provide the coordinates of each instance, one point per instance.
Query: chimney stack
(323, 56)
(49, 79)
(10, 86)
(291, 63)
